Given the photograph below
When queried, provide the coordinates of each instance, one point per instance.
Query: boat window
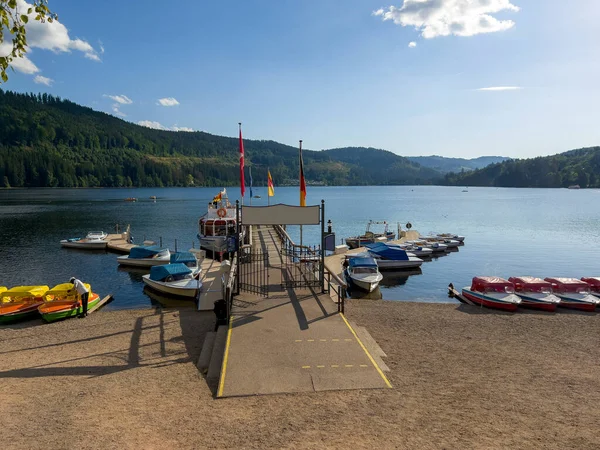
(509, 290)
(546, 290)
(583, 290)
(365, 270)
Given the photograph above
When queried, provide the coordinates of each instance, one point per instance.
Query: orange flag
(270, 184)
(302, 182)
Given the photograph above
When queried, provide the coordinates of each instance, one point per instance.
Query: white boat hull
(182, 288)
(367, 283)
(90, 245)
(412, 263)
(142, 262)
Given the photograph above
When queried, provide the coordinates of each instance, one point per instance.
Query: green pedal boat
(21, 303)
(62, 302)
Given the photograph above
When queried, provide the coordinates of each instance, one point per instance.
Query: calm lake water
(539, 232)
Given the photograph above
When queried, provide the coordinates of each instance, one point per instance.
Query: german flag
(302, 182)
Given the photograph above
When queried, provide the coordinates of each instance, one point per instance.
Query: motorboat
(21, 302)
(450, 243)
(188, 259)
(370, 237)
(574, 293)
(594, 284)
(535, 293)
(173, 279)
(94, 240)
(392, 257)
(362, 273)
(492, 292)
(146, 256)
(454, 237)
(62, 302)
(417, 250)
(217, 229)
(435, 246)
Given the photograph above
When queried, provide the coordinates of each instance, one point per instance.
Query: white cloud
(39, 79)
(23, 64)
(122, 99)
(167, 101)
(159, 126)
(500, 88)
(53, 36)
(101, 47)
(117, 111)
(435, 18)
(412, 44)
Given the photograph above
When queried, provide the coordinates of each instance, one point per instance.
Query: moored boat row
(545, 294)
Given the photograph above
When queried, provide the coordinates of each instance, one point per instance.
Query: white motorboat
(146, 256)
(450, 243)
(94, 240)
(418, 250)
(189, 259)
(173, 279)
(392, 257)
(369, 237)
(362, 273)
(454, 237)
(436, 247)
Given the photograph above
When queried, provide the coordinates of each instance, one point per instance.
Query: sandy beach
(463, 377)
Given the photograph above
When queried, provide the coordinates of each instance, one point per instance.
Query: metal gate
(254, 272)
(302, 266)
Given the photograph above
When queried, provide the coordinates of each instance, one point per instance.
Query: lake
(539, 232)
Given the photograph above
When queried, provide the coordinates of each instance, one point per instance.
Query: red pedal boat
(492, 292)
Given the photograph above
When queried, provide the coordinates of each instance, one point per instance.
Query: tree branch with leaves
(13, 21)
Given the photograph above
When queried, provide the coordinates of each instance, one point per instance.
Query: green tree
(5, 182)
(13, 21)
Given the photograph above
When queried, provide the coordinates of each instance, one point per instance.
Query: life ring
(221, 212)
(409, 225)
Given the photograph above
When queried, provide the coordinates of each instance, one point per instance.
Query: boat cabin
(531, 284)
(492, 284)
(170, 272)
(572, 285)
(217, 227)
(593, 283)
(362, 265)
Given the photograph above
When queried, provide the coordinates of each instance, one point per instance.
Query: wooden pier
(120, 242)
(293, 339)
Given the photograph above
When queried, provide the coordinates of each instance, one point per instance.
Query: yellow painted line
(349, 365)
(310, 340)
(306, 367)
(334, 365)
(225, 358)
(348, 340)
(298, 340)
(320, 367)
(335, 340)
(364, 365)
(323, 340)
(387, 382)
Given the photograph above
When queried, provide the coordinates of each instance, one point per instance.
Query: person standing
(83, 293)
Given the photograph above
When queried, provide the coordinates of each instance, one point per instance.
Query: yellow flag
(270, 184)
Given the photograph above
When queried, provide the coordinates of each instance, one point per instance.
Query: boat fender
(169, 278)
(221, 212)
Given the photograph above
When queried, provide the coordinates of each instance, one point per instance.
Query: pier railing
(302, 263)
(338, 286)
(229, 284)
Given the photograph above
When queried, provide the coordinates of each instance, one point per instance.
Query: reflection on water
(393, 278)
(160, 300)
(359, 293)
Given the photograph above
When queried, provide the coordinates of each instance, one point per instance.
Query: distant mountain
(576, 167)
(47, 141)
(445, 165)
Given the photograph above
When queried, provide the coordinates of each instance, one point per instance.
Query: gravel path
(463, 378)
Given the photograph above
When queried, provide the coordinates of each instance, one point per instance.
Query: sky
(457, 78)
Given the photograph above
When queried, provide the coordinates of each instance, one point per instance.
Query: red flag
(242, 184)
(302, 182)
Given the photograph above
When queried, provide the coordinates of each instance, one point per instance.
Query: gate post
(322, 269)
(239, 246)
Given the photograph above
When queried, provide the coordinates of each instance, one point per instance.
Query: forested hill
(580, 167)
(445, 165)
(47, 141)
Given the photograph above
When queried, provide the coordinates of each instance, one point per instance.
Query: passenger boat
(188, 259)
(217, 228)
(594, 284)
(535, 293)
(21, 302)
(146, 256)
(369, 237)
(392, 257)
(362, 273)
(492, 292)
(173, 279)
(62, 302)
(95, 240)
(573, 293)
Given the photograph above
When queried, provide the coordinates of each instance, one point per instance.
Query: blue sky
(335, 74)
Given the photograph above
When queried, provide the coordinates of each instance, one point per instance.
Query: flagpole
(300, 182)
(250, 172)
(241, 156)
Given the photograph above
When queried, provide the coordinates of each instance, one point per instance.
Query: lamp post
(329, 226)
